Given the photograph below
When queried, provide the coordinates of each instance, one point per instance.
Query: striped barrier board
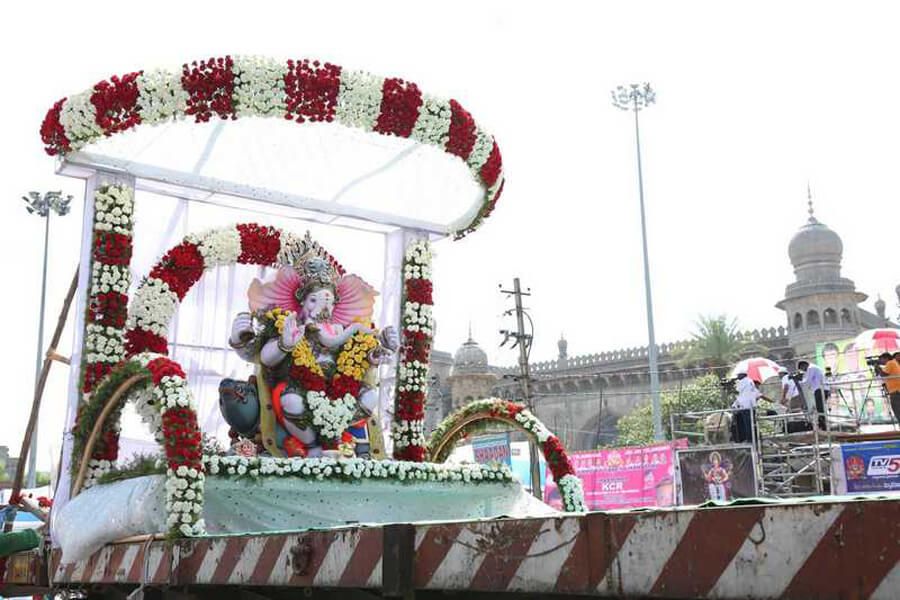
(812, 550)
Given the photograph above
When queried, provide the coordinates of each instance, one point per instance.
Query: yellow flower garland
(353, 361)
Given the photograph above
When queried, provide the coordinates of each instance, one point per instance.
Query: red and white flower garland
(104, 342)
(298, 90)
(159, 294)
(570, 486)
(417, 324)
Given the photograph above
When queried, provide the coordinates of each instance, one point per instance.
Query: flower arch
(475, 416)
(159, 389)
(171, 278)
(296, 90)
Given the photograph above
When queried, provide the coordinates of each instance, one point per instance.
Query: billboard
(623, 477)
(855, 392)
(721, 473)
(492, 449)
(866, 467)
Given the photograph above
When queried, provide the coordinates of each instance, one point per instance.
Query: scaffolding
(792, 447)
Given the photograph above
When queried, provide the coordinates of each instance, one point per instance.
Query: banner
(628, 477)
(716, 473)
(866, 467)
(855, 392)
(492, 449)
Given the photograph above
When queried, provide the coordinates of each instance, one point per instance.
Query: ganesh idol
(309, 333)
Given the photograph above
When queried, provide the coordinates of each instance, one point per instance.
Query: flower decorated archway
(302, 91)
(476, 416)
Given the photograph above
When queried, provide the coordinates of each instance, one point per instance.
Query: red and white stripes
(295, 90)
(830, 550)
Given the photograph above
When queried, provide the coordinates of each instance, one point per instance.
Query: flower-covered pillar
(392, 296)
(94, 186)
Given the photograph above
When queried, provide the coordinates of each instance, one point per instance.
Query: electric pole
(524, 341)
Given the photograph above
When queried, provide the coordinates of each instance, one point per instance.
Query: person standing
(889, 370)
(743, 406)
(814, 378)
(789, 392)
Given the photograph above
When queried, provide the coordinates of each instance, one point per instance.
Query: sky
(755, 100)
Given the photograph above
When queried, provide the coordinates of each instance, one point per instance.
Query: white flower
(259, 86)
(160, 96)
(78, 118)
(218, 246)
(359, 99)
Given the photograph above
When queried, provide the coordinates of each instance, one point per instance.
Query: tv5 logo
(884, 465)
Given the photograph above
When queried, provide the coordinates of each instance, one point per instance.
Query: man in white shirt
(789, 392)
(814, 378)
(745, 402)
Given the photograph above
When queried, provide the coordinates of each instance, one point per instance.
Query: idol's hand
(390, 339)
(242, 329)
(291, 334)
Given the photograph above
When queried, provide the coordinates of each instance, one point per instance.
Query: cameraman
(888, 368)
(814, 378)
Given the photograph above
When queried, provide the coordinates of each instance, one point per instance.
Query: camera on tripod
(729, 385)
(873, 361)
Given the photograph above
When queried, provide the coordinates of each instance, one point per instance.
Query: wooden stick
(52, 354)
(98, 428)
(39, 392)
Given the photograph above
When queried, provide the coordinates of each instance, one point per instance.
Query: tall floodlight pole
(635, 97)
(42, 206)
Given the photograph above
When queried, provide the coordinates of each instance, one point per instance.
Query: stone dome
(470, 358)
(815, 244)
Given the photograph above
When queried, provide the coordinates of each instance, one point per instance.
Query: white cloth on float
(105, 513)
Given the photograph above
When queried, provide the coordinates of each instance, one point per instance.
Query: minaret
(821, 305)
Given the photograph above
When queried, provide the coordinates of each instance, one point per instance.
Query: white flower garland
(331, 417)
(408, 433)
(259, 86)
(359, 99)
(109, 278)
(571, 491)
(103, 344)
(531, 423)
(79, 118)
(433, 125)
(220, 246)
(153, 307)
(352, 469)
(114, 209)
(161, 96)
(480, 151)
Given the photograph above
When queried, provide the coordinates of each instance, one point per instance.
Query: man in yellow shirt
(889, 370)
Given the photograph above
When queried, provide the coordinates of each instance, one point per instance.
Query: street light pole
(42, 206)
(636, 97)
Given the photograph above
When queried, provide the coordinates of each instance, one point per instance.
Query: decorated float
(278, 399)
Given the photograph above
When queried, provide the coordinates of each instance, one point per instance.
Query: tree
(704, 393)
(716, 344)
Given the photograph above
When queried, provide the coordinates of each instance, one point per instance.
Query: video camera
(729, 385)
(873, 361)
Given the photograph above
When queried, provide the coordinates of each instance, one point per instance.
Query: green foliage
(715, 344)
(138, 466)
(704, 393)
(42, 478)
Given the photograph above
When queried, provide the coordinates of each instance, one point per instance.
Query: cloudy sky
(754, 100)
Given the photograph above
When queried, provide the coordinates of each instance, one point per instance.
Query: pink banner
(623, 477)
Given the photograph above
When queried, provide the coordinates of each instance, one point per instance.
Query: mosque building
(581, 397)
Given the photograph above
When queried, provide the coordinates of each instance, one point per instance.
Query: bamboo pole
(39, 392)
(98, 428)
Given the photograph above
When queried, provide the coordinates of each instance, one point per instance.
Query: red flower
(489, 208)
(557, 459)
(416, 346)
(400, 102)
(44, 502)
(115, 102)
(210, 85)
(419, 290)
(107, 447)
(182, 438)
(462, 131)
(411, 453)
(53, 134)
(490, 170)
(108, 309)
(312, 90)
(259, 244)
(180, 268)
(163, 367)
(341, 385)
(93, 373)
(112, 248)
(308, 380)
(141, 340)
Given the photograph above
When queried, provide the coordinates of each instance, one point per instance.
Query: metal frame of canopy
(96, 170)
